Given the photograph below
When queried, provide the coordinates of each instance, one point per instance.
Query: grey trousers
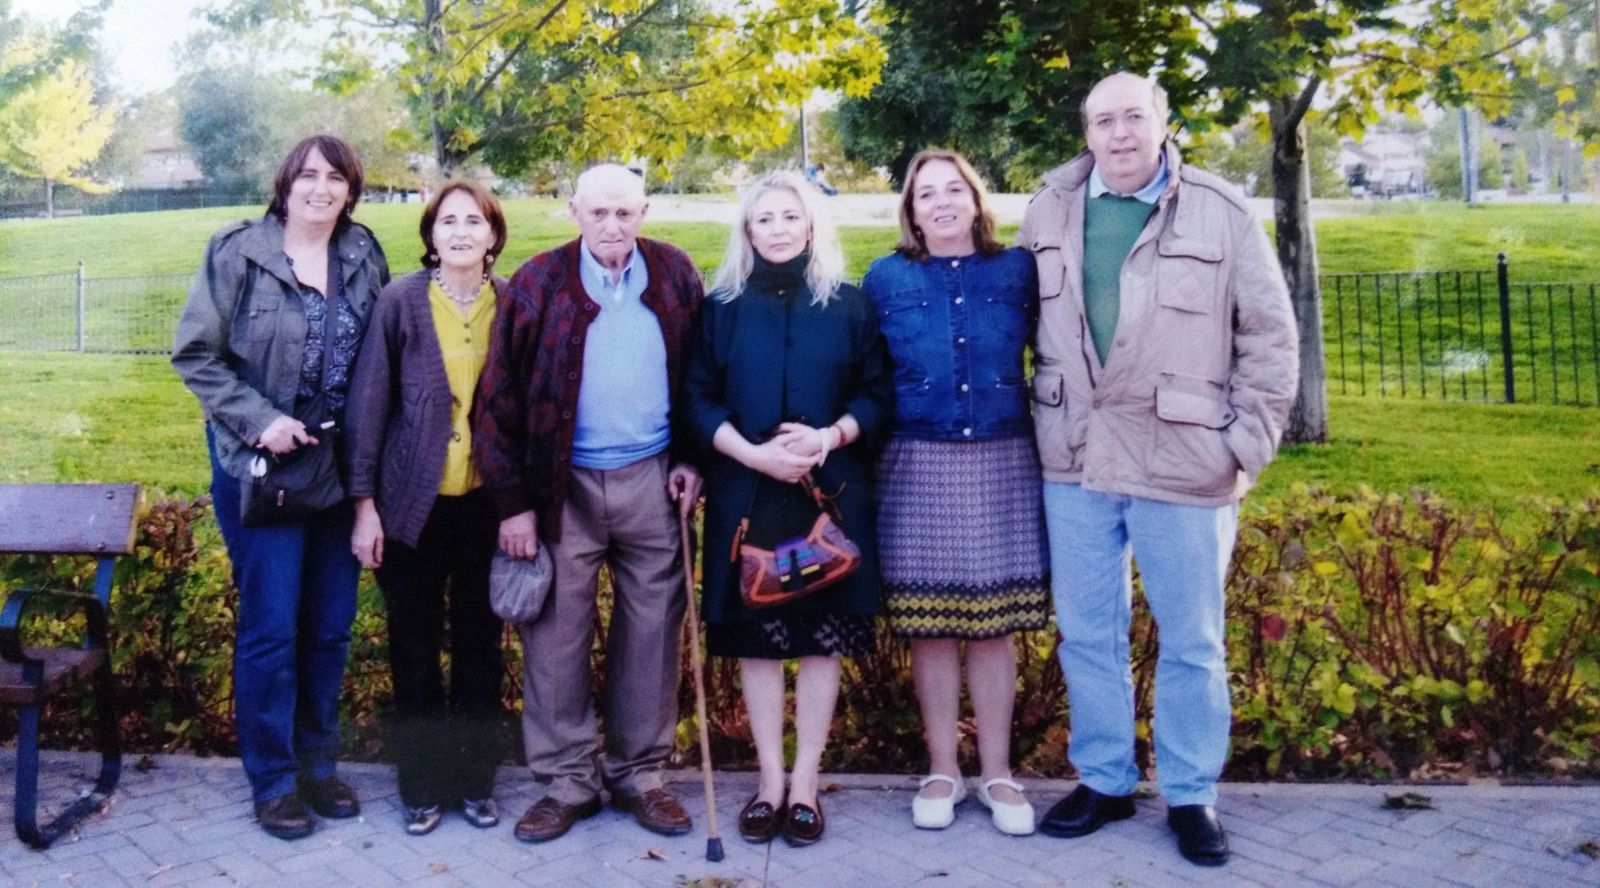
(621, 518)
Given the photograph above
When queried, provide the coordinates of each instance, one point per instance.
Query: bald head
(608, 203)
(1122, 80)
(1125, 124)
(609, 177)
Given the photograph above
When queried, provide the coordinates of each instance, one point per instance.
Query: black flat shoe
(803, 824)
(1083, 811)
(760, 821)
(1201, 840)
(284, 817)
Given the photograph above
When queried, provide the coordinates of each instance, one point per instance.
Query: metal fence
(1440, 335)
(74, 312)
(1462, 335)
(71, 202)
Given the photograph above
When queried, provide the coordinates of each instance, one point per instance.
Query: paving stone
(188, 822)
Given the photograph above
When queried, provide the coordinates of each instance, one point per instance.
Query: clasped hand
(788, 455)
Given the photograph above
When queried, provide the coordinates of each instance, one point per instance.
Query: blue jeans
(1183, 554)
(297, 599)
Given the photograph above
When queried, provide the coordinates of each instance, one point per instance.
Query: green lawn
(127, 418)
(93, 417)
(1544, 242)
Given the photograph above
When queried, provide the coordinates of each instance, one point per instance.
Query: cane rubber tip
(714, 850)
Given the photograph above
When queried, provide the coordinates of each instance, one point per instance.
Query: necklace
(461, 299)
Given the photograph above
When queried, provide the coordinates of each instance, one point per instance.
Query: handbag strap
(330, 313)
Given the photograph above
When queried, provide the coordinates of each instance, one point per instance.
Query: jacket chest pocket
(257, 318)
(903, 318)
(1189, 278)
(1051, 264)
(1005, 313)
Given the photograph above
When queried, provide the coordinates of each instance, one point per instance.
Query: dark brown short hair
(487, 204)
(983, 237)
(339, 155)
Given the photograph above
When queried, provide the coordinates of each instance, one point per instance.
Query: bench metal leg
(107, 737)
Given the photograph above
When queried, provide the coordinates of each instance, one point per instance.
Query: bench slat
(68, 519)
(60, 666)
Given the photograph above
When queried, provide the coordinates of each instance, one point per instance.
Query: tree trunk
(437, 100)
(49, 198)
(1297, 253)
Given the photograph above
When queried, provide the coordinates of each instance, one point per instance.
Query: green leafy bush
(1369, 636)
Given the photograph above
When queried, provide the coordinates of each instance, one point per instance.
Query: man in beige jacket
(1165, 367)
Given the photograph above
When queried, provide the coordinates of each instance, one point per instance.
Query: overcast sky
(139, 36)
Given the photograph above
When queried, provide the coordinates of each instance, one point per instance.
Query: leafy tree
(1003, 81)
(239, 124)
(52, 129)
(28, 55)
(518, 82)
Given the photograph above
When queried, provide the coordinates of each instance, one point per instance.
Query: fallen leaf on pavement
(438, 867)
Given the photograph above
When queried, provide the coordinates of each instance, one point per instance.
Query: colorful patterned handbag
(796, 565)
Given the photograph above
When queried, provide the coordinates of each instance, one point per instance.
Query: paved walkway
(177, 820)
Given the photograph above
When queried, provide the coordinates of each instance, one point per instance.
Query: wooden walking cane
(713, 838)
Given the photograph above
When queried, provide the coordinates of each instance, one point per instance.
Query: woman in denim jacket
(960, 514)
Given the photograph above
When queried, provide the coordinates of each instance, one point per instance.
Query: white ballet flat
(929, 813)
(1011, 818)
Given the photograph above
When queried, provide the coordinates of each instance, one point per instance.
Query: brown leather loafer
(656, 810)
(330, 797)
(548, 819)
(284, 817)
(803, 824)
(759, 822)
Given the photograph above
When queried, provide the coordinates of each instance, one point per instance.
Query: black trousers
(445, 745)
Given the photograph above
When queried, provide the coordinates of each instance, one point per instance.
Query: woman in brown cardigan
(423, 519)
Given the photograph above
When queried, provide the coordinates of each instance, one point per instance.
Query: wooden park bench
(94, 520)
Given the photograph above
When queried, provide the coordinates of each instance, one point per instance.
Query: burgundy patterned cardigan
(525, 411)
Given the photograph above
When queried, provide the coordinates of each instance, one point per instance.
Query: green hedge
(1369, 635)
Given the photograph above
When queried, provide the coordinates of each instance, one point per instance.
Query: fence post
(80, 305)
(1503, 278)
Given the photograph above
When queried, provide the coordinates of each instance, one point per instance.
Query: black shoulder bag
(304, 481)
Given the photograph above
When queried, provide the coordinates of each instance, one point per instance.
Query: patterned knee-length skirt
(961, 538)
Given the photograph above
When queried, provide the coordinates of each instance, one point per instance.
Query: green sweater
(1111, 225)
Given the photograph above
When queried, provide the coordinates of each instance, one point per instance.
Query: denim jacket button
(965, 387)
(967, 431)
(960, 300)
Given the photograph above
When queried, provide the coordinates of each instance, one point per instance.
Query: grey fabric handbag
(519, 587)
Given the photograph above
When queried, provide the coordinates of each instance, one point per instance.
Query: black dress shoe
(330, 797)
(1200, 837)
(803, 824)
(1083, 811)
(284, 817)
(760, 821)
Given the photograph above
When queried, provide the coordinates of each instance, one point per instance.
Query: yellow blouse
(464, 343)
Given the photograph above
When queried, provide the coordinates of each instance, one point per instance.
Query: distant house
(1388, 164)
(165, 165)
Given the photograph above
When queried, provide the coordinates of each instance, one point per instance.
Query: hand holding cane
(713, 838)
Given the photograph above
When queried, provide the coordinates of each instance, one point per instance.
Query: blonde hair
(983, 236)
(824, 270)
